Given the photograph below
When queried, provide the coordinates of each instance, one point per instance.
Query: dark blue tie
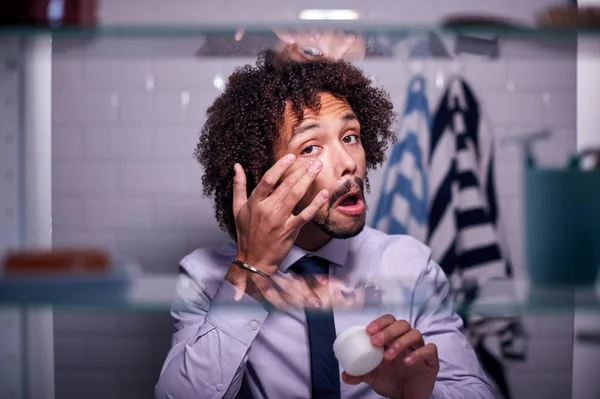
(324, 369)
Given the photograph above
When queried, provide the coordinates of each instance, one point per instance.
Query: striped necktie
(324, 369)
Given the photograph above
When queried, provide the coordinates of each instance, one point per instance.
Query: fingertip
(239, 176)
(344, 376)
(322, 279)
(324, 194)
(239, 34)
(372, 328)
(315, 165)
(389, 354)
(351, 380)
(239, 292)
(316, 302)
(288, 159)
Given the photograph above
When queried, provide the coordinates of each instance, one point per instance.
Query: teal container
(562, 223)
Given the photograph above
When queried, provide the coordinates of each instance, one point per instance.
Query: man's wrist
(251, 268)
(264, 266)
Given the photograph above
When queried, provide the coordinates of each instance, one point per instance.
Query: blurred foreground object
(300, 45)
(478, 20)
(588, 159)
(56, 262)
(71, 276)
(570, 16)
(562, 219)
(313, 45)
(49, 12)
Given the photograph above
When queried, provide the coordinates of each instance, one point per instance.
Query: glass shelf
(155, 293)
(366, 28)
(207, 40)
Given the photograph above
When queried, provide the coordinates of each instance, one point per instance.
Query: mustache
(346, 188)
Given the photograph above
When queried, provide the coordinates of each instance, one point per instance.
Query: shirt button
(254, 325)
(219, 387)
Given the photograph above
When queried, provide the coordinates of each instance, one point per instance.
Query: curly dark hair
(243, 123)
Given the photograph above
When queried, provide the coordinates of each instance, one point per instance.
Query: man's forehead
(329, 104)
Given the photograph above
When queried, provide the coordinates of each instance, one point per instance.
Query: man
(299, 45)
(285, 150)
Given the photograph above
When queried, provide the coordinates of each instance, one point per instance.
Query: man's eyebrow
(304, 128)
(347, 117)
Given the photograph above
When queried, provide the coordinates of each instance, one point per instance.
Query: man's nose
(344, 163)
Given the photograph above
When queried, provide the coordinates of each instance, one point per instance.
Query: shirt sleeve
(460, 374)
(210, 347)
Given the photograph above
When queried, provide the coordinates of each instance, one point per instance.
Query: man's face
(311, 45)
(333, 137)
(339, 293)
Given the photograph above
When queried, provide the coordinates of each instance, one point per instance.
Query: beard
(333, 229)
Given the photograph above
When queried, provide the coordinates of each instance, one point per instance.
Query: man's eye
(311, 51)
(350, 139)
(347, 294)
(311, 149)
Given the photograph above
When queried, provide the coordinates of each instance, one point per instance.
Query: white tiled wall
(125, 123)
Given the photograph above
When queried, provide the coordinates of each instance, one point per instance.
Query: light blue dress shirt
(220, 350)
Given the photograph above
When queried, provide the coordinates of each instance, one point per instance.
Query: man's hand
(283, 291)
(409, 367)
(267, 228)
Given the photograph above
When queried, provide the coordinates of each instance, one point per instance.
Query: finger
(405, 344)
(271, 177)
(240, 288)
(369, 378)
(298, 184)
(293, 175)
(240, 195)
(390, 333)
(274, 298)
(311, 210)
(269, 292)
(351, 379)
(296, 291)
(380, 323)
(322, 279)
(239, 34)
(427, 355)
(308, 294)
(287, 291)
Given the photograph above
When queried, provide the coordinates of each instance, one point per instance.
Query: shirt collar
(335, 251)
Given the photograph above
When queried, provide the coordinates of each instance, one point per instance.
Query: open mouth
(349, 200)
(351, 203)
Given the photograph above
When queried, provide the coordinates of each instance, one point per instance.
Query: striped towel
(463, 211)
(464, 222)
(403, 200)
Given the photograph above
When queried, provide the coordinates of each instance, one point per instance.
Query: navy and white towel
(462, 222)
(403, 201)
